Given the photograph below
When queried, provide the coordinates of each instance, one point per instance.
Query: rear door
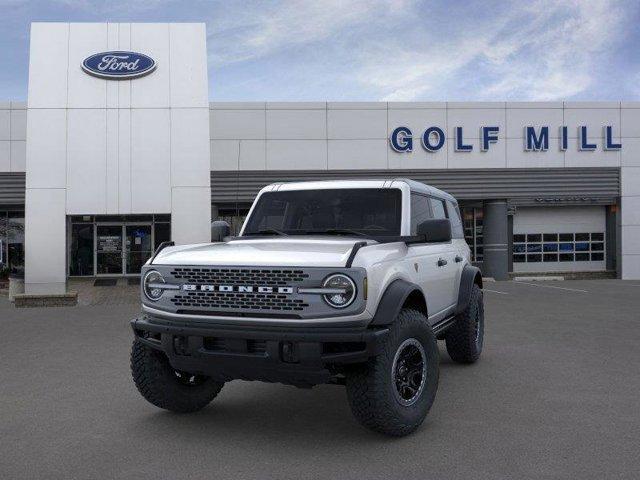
(448, 270)
(459, 244)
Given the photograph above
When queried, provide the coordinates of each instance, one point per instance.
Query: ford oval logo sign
(118, 65)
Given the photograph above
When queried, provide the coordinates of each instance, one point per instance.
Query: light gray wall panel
(13, 130)
(5, 124)
(5, 156)
(18, 124)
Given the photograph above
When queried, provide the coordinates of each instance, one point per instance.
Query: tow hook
(181, 345)
(289, 352)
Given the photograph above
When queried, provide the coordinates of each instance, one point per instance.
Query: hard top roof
(414, 185)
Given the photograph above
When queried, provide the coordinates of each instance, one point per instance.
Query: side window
(420, 211)
(456, 222)
(437, 206)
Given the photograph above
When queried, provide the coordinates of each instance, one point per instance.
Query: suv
(342, 282)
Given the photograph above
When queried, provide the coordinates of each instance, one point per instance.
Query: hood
(271, 251)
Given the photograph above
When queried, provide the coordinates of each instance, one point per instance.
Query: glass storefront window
(15, 242)
(472, 219)
(563, 247)
(81, 252)
(138, 247)
(109, 249)
(103, 246)
(234, 217)
(4, 265)
(82, 219)
(162, 234)
(162, 218)
(11, 242)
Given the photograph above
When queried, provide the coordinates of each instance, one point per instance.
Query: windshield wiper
(267, 231)
(340, 231)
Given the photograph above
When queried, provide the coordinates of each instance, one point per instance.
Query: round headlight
(150, 285)
(345, 290)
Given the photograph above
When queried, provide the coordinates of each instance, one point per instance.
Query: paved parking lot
(555, 395)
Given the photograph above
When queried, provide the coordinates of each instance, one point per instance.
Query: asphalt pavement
(555, 395)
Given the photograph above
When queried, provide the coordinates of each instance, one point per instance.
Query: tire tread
(153, 377)
(460, 338)
(367, 392)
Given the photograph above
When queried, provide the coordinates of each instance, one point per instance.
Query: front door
(138, 247)
(109, 250)
(122, 249)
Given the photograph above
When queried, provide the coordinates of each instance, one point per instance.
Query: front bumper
(301, 356)
(361, 319)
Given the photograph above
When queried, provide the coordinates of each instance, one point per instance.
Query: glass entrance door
(138, 247)
(122, 249)
(109, 259)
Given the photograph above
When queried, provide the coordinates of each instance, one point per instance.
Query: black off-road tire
(465, 338)
(371, 387)
(160, 384)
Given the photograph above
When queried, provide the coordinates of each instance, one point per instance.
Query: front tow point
(289, 352)
(181, 345)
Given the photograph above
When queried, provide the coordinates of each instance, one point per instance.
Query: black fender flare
(470, 275)
(392, 301)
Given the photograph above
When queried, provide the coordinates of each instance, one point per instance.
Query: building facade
(96, 171)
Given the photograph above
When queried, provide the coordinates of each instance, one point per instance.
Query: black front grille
(238, 301)
(248, 276)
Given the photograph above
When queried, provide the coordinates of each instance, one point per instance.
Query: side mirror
(219, 230)
(435, 230)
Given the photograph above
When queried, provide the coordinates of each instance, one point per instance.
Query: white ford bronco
(343, 282)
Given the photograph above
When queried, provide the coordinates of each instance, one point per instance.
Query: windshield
(358, 211)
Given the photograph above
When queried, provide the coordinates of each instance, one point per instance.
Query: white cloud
(406, 50)
(402, 49)
(106, 7)
(243, 34)
(546, 51)
(569, 50)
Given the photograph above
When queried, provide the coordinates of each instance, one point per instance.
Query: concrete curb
(538, 279)
(23, 300)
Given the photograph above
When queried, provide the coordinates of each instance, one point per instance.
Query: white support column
(190, 155)
(98, 146)
(191, 215)
(630, 224)
(45, 241)
(630, 191)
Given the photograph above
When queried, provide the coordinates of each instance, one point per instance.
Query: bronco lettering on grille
(237, 288)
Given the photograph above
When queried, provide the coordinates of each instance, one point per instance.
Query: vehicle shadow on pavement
(267, 411)
(270, 412)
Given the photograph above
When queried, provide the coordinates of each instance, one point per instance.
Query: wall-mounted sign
(535, 139)
(567, 200)
(118, 65)
(109, 243)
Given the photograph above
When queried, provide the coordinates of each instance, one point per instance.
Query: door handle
(442, 262)
(459, 258)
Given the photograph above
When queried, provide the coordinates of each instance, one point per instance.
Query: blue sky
(363, 50)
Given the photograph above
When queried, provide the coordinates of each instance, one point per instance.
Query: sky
(377, 50)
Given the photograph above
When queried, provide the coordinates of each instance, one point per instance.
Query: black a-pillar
(495, 239)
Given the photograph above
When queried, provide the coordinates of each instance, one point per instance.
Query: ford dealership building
(118, 148)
